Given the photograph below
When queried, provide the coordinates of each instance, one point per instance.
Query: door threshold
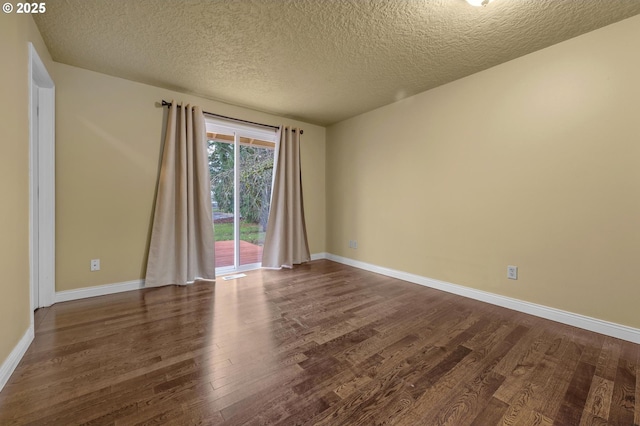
(242, 268)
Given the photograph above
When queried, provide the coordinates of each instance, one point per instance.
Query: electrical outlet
(512, 272)
(353, 244)
(95, 265)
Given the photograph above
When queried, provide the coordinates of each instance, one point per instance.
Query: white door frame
(41, 183)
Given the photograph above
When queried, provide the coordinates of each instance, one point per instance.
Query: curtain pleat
(286, 242)
(182, 247)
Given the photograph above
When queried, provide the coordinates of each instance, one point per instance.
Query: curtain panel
(182, 241)
(286, 242)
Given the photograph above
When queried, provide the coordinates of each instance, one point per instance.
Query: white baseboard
(581, 321)
(317, 256)
(9, 365)
(101, 290)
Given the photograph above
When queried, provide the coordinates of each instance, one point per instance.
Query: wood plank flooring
(322, 344)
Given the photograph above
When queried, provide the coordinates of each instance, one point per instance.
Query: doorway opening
(41, 182)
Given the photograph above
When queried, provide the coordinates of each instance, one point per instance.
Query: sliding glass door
(241, 165)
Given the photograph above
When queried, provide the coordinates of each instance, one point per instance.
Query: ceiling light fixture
(479, 2)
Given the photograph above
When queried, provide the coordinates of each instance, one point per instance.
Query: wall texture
(531, 163)
(15, 33)
(109, 135)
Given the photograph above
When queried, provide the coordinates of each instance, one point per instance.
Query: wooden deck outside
(249, 253)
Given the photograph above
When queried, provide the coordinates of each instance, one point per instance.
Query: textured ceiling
(313, 60)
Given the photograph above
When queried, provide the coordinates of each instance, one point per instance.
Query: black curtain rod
(168, 104)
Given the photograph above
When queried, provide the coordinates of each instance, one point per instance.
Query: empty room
(344, 212)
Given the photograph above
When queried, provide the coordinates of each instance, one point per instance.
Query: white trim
(220, 125)
(100, 290)
(318, 256)
(42, 192)
(9, 365)
(581, 321)
(34, 222)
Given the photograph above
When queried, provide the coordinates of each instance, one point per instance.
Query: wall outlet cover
(512, 272)
(95, 265)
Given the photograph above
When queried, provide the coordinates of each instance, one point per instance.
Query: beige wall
(533, 163)
(108, 145)
(15, 32)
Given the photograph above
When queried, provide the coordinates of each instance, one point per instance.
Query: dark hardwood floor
(322, 344)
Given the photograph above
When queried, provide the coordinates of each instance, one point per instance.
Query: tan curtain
(182, 243)
(285, 242)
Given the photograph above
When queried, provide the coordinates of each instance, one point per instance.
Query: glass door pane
(222, 168)
(256, 172)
